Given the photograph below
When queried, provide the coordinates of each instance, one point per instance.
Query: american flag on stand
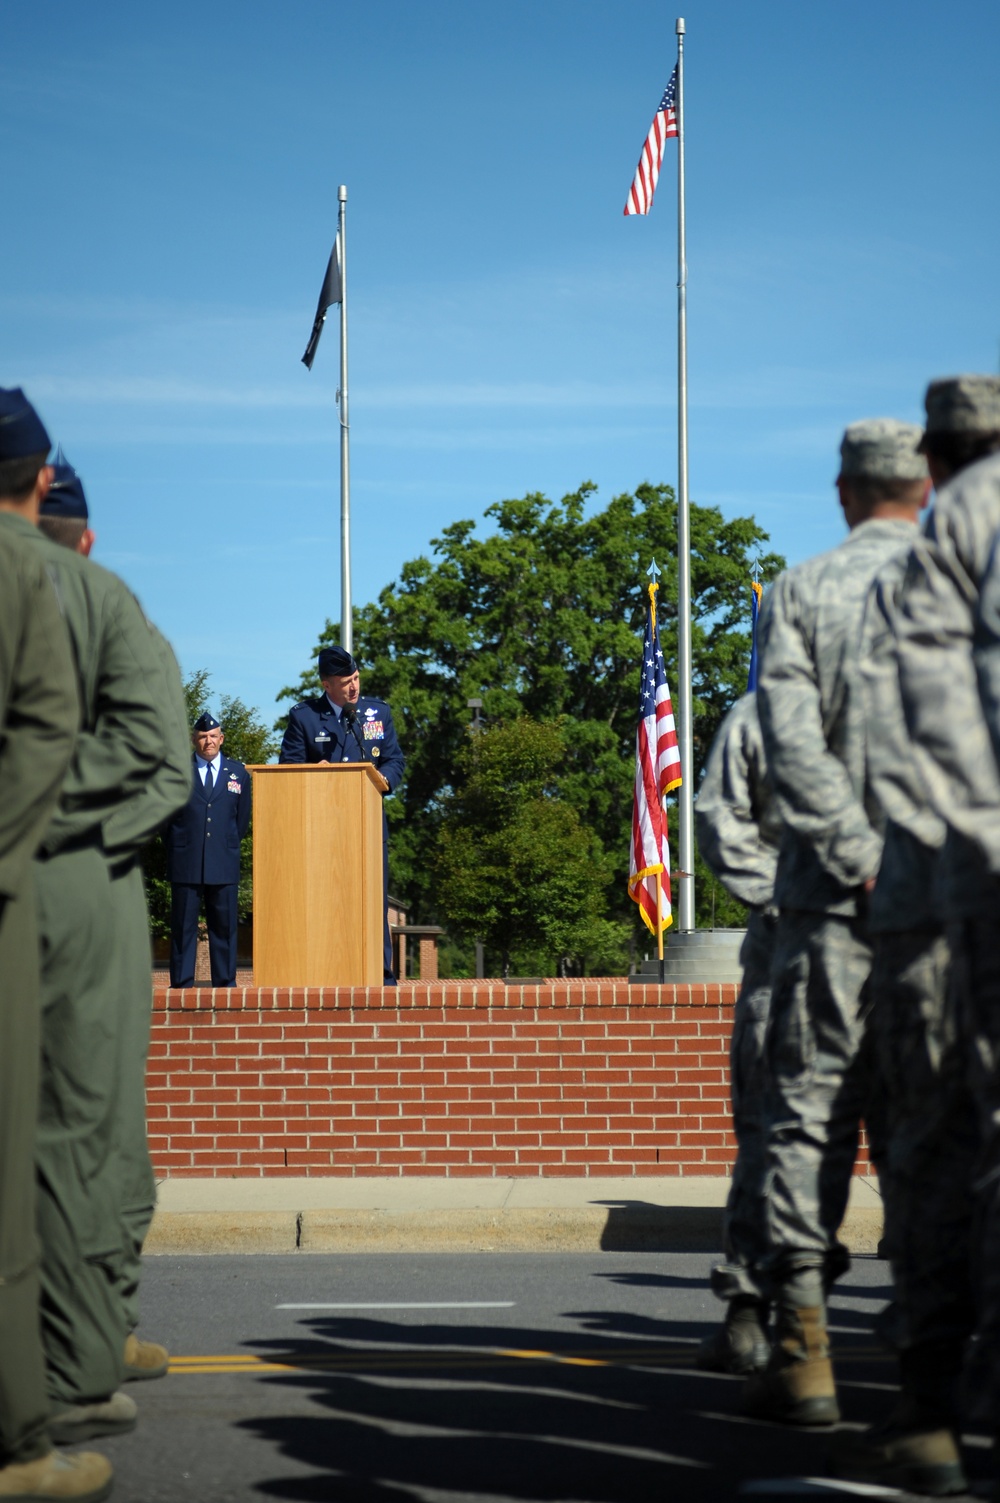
(640, 198)
(757, 590)
(657, 771)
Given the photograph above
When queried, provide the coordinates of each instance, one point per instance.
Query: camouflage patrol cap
(963, 404)
(882, 449)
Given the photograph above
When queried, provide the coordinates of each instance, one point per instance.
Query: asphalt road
(467, 1379)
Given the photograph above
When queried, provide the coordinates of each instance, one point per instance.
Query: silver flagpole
(685, 801)
(346, 623)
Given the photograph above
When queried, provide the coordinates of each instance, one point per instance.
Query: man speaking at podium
(342, 726)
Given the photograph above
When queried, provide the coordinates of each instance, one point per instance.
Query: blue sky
(172, 178)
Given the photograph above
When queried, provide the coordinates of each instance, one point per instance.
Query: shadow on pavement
(613, 1413)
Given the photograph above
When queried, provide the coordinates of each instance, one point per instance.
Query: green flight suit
(39, 713)
(118, 751)
(125, 834)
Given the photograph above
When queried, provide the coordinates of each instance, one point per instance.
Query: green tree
(544, 617)
(248, 739)
(515, 865)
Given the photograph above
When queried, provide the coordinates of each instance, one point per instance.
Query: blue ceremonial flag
(331, 292)
(757, 590)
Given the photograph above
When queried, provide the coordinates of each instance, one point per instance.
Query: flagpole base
(704, 956)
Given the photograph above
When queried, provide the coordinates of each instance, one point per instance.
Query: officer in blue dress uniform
(203, 858)
(343, 726)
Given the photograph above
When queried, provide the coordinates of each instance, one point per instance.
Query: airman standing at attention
(931, 1141)
(122, 751)
(39, 713)
(203, 858)
(831, 846)
(947, 628)
(124, 1180)
(738, 834)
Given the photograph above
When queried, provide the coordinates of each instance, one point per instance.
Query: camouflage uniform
(947, 644)
(738, 832)
(932, 1136)
(817, 1053)
(814, 733)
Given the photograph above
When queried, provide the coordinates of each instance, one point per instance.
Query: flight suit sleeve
(935, 624)
(812, 786)
(168, 789)
(39, 712)
(123, 747)
(727, 812)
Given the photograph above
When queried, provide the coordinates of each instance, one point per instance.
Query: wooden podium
(317, 875)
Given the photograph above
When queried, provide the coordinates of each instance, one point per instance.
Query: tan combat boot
(796, 1387)
(896, 1455)
(740, 1345)
(84, 1477)
(144, 1359)
(916, 1448)
(112, 1416)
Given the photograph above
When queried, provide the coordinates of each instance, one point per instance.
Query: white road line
(456, 1304)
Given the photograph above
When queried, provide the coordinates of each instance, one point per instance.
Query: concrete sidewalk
(418, 1214)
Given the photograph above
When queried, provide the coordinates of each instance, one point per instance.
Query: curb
(587, 1229)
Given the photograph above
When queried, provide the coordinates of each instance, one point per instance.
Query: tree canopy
(514, 865)
(543, 617)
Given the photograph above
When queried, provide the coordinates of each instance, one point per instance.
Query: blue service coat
(203, 840)
(316, 734)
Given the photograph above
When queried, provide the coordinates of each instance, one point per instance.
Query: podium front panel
(317, 870)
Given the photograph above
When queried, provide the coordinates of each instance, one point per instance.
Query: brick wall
(453, 1078)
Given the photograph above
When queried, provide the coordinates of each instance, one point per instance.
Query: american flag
(640, 198)
(757, 590)
(657, 771)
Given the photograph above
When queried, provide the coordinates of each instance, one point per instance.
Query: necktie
(209, 779)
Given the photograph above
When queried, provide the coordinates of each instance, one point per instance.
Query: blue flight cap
(22, 432)
(66, 496)
(207, 722)
(336, 662)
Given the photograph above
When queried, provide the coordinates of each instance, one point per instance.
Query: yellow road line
(395, 1360)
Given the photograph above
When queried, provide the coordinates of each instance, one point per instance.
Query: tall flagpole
(685, 809)
(346, 620)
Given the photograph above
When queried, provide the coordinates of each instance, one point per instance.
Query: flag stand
(653, 589)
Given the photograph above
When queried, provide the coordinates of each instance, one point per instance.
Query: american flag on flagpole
(657, 771)
(640, 198)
